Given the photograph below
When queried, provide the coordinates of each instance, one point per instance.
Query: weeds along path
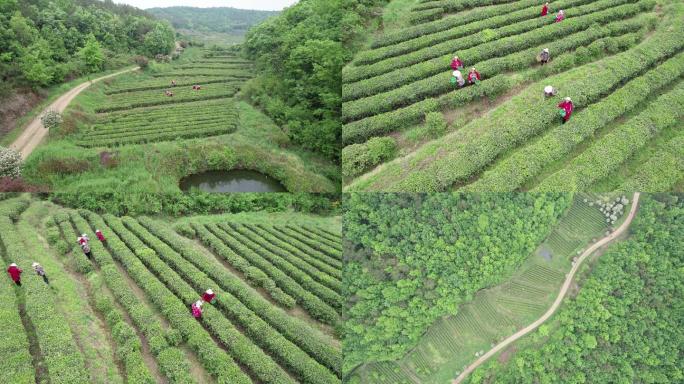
(35, 131)
(559, 299)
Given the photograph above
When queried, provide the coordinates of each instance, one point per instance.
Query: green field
(494, 313)
(124, 316)
(127, 131)
(620, 61)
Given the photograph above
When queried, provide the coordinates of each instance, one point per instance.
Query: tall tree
(91, 54)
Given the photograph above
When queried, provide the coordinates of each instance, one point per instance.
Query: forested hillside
(625, 325)
(300, 55)
(43, 43)
(220, 19)
(413, 258)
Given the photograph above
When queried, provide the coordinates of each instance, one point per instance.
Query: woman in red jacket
(545, 9)
(15, 273)
(456, 63)
(566, 107)
(100, 236)
(473, 76)
(208, 295)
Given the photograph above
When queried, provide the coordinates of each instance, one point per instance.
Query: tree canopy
(300, 54)
(625, 325)
(45, 42)
(411, 258)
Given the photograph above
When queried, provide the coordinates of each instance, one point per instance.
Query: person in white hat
(566, 107)
(40, 271)
(456, 63)
(83, 239)
(208, 295)
(15, 273)
(457, 78)
(549, 91)
(197, 309)
(560, 16)
(544, 56)
(473, 76)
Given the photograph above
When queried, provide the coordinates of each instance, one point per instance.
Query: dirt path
(559, 299)
(34, 132)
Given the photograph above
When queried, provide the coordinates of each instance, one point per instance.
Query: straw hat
(567, 99)
(209, 291)
(34, 264)
(13, 265)
(457, 73)
(199, 303)
(546, 50)
(548, 89)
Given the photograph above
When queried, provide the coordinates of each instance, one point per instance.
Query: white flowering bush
(51, 119)
(10, 163)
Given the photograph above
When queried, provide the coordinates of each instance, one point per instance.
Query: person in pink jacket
(560, 16)
(197, 309)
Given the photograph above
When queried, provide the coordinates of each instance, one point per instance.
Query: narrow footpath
(34, 132)
(559, 298)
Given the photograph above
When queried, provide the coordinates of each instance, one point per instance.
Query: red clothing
(82, 240)
(100, 236)
(196, 311)
(456, 64)
(560, 17)
(545, 10)
(208, 297)
(473, 75)
(15, 273)
(568, 107)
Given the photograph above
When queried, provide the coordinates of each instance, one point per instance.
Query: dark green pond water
(232, 181)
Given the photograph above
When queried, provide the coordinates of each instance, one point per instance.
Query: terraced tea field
(139, 130)
(407, 127)
(124, 315)
(136, 108)
(454, 341)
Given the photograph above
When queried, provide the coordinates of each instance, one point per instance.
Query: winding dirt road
(35, 132)
(559, 299)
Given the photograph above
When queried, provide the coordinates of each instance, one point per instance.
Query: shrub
(64, 166)
(357, 158)
(141, 61)
(51, 119)
(10, 163)
(435, 124)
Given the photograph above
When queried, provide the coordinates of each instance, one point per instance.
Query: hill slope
(219, 19)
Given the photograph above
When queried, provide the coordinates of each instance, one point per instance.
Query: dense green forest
(222, 19)
(47, 42)
(625, 325)
(411, 258)
(299, 56)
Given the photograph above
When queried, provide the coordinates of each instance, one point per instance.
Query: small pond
(236, 180)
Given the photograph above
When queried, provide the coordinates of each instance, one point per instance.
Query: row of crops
(144, 108)
(242, 337)
(454, 341)
(602, 57)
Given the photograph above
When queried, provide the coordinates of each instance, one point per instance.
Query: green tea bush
(358, 158)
